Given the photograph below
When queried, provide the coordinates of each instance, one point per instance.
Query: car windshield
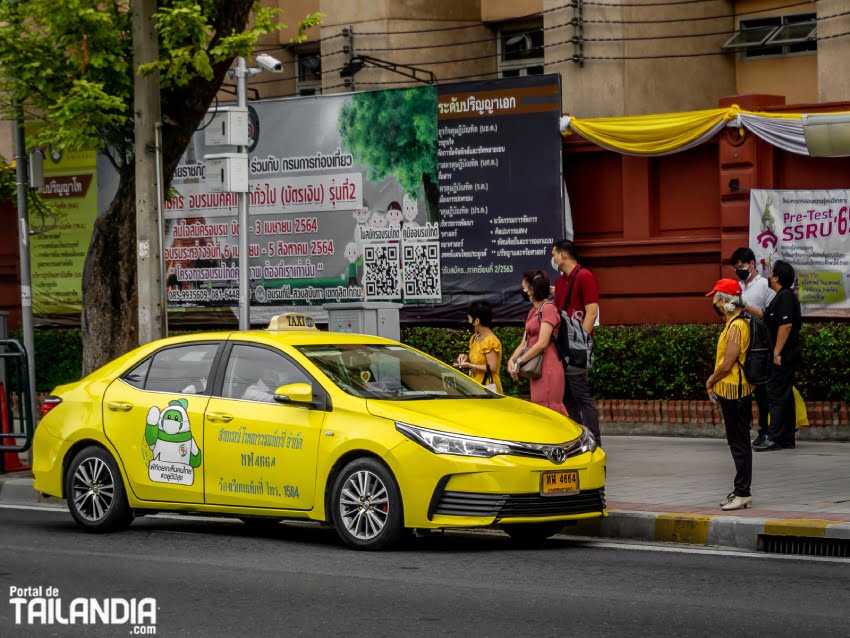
(391, 372)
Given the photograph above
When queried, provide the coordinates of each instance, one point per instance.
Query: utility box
(226, 173)
(228, 127)
(379, 318)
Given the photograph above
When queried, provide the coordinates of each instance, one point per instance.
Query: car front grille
(518, 505)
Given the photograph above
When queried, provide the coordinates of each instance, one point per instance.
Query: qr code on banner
(422, 271)
(381, 272)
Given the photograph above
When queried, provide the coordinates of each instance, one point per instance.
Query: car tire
(532, 533)
(94, 491)
(375, 520)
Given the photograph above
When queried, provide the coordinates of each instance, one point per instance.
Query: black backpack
(758, 361)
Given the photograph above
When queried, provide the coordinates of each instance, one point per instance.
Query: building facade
(614, 58)
(656, 231)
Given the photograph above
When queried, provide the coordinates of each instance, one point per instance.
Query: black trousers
(738, 416)
(780, 396)
(763, 405)
(580, 404)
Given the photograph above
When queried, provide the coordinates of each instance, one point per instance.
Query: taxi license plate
(559, 483)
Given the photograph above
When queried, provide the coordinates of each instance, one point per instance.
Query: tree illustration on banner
(395, 133)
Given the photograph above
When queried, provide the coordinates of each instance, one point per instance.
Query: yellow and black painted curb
(742, 532)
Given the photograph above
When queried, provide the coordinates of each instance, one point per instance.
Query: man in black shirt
(783, 318)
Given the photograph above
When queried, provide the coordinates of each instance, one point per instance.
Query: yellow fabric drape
(652, 134)
(664, 133)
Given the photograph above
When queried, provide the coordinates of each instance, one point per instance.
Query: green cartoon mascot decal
(175, 453)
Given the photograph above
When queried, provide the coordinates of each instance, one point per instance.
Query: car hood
(503, 418)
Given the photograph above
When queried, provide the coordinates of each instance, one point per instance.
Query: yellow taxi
(357, 431)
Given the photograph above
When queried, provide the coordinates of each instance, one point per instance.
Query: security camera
(268, 63)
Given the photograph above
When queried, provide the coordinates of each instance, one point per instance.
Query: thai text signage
(811, 231)
(500, 179)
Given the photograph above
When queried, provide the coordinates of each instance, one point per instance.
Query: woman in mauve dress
(540, 326)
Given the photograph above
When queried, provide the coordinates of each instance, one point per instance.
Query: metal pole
(24, 253)
(244, 262)
(146, 111)
(160, 179)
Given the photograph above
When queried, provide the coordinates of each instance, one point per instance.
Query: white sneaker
(738, 503)
(728, 499)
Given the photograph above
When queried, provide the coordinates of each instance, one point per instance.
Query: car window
(136, 377)
(392, 372)
(254, 373)
(182, 369)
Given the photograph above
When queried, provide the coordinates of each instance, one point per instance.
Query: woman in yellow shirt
(485, 349)
(728, 387)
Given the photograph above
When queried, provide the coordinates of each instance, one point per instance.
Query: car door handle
(218, 416)
(120, 406)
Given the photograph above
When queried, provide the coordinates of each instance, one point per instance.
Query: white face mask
(555, 266)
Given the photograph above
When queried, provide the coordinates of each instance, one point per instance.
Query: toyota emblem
(557, 455)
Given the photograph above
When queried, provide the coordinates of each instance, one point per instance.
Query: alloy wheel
(364, 505)
(93, 489)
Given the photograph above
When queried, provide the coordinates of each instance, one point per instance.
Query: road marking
(708, 551)
(37, 508)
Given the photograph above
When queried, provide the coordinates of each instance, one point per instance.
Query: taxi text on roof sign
(292, 321)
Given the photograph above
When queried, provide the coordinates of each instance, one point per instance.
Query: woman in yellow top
(485, 349)
(728, 387)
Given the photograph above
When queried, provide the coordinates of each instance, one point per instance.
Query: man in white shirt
(757, 294)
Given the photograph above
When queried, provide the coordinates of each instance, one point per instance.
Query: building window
(521, 50)
(309, 80)
(777, 35)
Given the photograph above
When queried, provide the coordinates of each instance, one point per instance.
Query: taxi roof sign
(292, 321)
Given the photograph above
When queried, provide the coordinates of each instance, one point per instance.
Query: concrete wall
(794, 76)
(627, 73)
(498, 10)
(410, 33)
(834, 53)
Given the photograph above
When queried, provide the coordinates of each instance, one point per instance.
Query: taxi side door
(154, 416)
(261, 453)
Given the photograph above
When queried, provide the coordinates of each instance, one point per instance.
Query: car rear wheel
(530, 533)
(366, 506)
(95, 492)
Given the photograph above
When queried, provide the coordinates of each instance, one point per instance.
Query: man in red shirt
(584, 305)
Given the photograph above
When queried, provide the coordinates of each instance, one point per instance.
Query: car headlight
(458, 444)
(586, 442)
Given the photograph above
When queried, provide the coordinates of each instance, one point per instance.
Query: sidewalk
(669, 489)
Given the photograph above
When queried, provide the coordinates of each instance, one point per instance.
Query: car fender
(336, 451)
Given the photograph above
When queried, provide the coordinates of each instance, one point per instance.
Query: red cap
(729, 286)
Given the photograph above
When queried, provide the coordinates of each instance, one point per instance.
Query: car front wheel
(366, 506)
(95, 492)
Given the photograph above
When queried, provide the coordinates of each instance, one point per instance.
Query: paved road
(215, 578)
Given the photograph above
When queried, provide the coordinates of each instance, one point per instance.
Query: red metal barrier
(11, 460)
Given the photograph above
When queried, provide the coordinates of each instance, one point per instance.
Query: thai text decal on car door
(258, 452)
(154, 416)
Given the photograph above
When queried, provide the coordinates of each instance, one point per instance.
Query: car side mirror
(298, 393)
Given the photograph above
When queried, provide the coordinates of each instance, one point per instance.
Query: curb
(19, 491)
(706, 529)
